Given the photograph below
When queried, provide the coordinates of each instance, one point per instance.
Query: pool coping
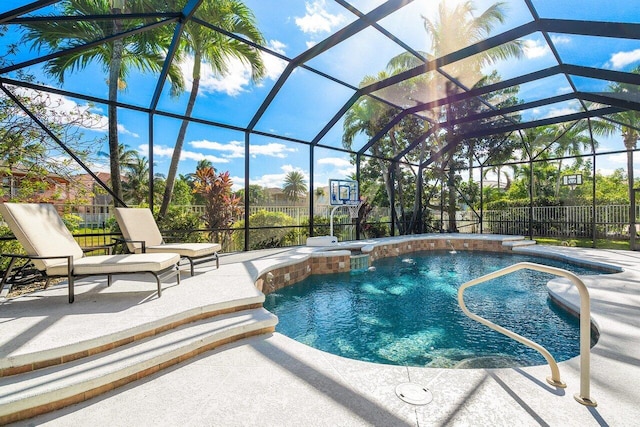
(476, 396)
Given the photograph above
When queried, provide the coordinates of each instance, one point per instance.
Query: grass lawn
(584, 242)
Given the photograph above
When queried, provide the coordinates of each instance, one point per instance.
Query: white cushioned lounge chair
(55, 253)
(141, 233)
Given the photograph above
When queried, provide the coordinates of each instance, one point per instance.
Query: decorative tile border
(338, 261)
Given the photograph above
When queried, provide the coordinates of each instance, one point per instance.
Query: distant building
(55, 189)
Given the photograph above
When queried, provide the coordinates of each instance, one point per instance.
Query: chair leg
(217, 260)
(71, 291)
(178, 274)
(191, 263)
(108, 280)
(7, 273)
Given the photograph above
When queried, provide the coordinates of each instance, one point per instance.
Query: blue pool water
(406, 312)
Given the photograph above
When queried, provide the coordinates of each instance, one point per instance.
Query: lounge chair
(55, 253)
(141, 234)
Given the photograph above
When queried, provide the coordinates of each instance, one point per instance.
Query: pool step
(518, 243)
(32, 393)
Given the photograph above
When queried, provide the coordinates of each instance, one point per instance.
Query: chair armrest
(108, 247)
(7, 273)
(124, 241)
(36, 256)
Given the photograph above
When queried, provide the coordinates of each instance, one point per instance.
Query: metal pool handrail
(585, 325)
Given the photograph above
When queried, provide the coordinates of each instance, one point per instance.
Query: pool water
(406, 312)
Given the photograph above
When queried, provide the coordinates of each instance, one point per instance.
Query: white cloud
(272, 64)
(336, 161)
(64, 110)
(311, 44)
(122, 130)
(277, 179)
(560, 39)
(622, 59)
(163, 151)
(318, 19)
(556, 112)
(535, 49)
(273, 149)
(605, 171)
(564, 89)
(238, 76)
(237, 183)
(235, 149)
(338, 168)
(618, 159)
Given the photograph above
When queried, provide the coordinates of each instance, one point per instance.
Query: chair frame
(193, 261)
(71, 277)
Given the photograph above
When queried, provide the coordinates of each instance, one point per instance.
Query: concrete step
(517, 243)
(32, 393)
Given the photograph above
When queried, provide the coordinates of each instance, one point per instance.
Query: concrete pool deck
(275, 381)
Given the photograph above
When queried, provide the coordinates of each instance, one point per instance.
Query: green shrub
(262, 238)
(9, 247)
(72, 221)
(179, 225)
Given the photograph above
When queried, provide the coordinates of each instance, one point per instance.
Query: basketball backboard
(343, 192)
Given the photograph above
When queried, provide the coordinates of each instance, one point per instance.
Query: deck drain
(414, 394)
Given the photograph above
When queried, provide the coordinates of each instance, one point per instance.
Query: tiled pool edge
(336, 259)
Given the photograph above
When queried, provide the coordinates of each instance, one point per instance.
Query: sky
(307, 101)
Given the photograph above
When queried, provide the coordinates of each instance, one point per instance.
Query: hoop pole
(331, 219)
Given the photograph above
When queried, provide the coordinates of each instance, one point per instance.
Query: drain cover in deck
(414, 394)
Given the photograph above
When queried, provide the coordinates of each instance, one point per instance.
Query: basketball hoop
(354, 209)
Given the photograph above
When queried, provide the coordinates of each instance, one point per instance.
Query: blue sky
(306, 101)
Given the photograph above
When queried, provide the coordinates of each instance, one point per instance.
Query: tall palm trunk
(559, 180)
(417, 213)
(451, 207)
(114, 76)
(177, 150)
(630, 144)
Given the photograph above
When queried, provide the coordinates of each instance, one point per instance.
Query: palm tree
(500, 172)
(144, 51)
(135, 187)
(452, 30)
(571, 140)
(367, 116)
(294, 186)
(630, 137)
(217, 50)
(126, 157)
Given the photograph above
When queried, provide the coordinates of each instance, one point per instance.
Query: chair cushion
(106, 264)
(40, 230)
(193, 250)
(138, 224)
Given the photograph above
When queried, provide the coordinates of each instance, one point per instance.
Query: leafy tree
(143, 51)
(216, 49)
(628, 123)
(268, 230)
(126, 156)
(135, 185)
(452, 30)
(221, 205)
(258, 195)
(294, 186)
(26, 148)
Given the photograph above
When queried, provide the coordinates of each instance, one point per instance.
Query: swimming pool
(406, 312)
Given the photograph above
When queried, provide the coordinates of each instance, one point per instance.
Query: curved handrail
(585, 325)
